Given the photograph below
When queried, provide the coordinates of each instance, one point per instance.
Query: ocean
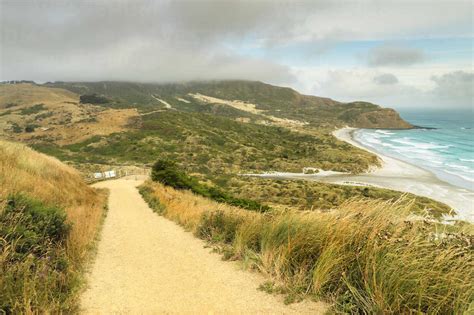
(447, 151)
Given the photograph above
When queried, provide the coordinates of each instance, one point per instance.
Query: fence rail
(115, 173)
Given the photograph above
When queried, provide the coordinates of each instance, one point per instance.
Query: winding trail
(146, 264)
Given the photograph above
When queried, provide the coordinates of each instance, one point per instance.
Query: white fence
(117, 173)
(108, 174)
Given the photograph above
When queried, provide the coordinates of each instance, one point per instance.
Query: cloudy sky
(402, 54)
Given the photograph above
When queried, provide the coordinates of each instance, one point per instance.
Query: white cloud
(450, 89)
(386, 20)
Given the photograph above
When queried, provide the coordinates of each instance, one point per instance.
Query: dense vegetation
(167, 173)
(364, 257)
(48, 220)
(217, 149)
(32, 110)
(93, 99)
(312, 195)
(207, 144)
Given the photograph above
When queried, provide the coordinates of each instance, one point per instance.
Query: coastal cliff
(385, 118)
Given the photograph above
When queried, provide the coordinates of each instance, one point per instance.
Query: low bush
(167, 173)
(31, 127)
(32, 109)
(93, 99)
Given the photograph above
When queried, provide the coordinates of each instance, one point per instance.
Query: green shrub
(30, 127)
(32, 110)
(16, 128)
(93, 99)
(167, 173)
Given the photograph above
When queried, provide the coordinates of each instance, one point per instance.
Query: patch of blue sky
(353, 53)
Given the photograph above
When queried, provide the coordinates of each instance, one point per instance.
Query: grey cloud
(394, 56)
(454, 89)
(178, 40)
(386, 79)
(135, 40)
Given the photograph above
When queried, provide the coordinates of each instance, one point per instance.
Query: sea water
(447, 151)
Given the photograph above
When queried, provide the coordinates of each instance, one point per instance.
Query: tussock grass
(40, 271)
(363, 257)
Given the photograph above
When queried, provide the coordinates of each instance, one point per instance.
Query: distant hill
(280, 102)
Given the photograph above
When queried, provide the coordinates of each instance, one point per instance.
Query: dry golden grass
(33, 282)
(23, 170)
(28, 94)
(196, 206)
(364, 257)
(65, 120)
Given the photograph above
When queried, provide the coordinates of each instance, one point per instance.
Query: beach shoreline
(396, 175)
(402, 176)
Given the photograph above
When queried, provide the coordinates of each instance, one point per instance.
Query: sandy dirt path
(146, 264)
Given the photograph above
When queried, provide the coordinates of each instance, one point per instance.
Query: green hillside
(277, 101)
(213, 144)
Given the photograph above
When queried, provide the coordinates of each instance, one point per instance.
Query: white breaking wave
(410, 142)
(384, 132)
(466, 178)
(434, 156)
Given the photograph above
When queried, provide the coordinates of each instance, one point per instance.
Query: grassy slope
(363, 257)
(40, 270)
(216, 144)
(37, 114)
